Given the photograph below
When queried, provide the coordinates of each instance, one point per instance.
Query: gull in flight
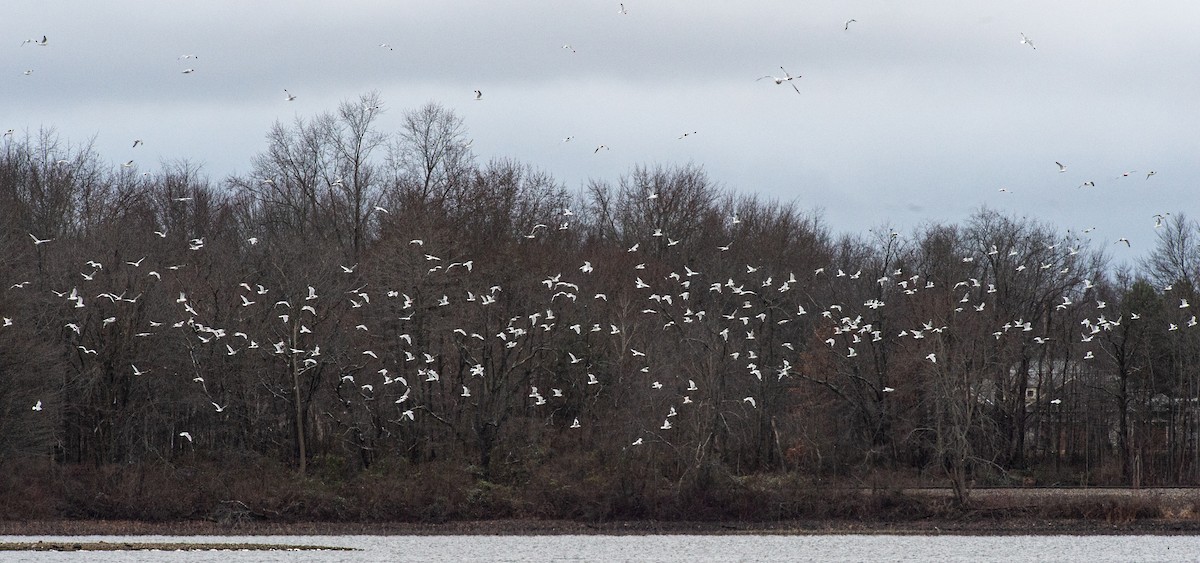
(37, 241)
(478, 95)
(137, 142)
(289, 95)
(188, 71)
(569, 47)
(605, 147)
(1027, 41)
(621, 10)
(38, 406)
(1061, 167)
(848, 22)
(781, 79)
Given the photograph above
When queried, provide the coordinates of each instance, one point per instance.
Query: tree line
(378, 301)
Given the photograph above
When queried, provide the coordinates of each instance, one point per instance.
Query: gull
(1027, 41)
(246, 302)
(1056, 402)
(752, 402)
(138, 263)
(686, 134)
(569, 47)
(666, 425)
(349, 269)
(37, 241)
(478, 95)
(181, 57)
(312, 294)
(605, 147)
(38, 406)
(781, 79)
(621, 10)
(290, 97)
(848, 22)
(1123, 240)
(137, 371)
(888, 389)
(637, 442)
(1061, 167)
(575, 424)
(931, 357)
(188, 71)
(1150, 173)
(1087, 184)
(186, 435)
(381, 209)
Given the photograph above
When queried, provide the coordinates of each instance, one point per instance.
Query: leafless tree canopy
(375, 300)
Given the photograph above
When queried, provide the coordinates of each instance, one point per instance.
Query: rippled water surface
(1090, 549)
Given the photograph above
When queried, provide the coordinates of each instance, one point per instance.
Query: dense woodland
(377, 324)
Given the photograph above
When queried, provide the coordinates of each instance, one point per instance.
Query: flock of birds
(751, 306)
(740, 318)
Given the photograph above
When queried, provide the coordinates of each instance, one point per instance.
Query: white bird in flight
(289, 95)
(1027, 41)
(781, 79)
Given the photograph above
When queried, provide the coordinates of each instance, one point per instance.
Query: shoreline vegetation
(433, 504)
(374, 332)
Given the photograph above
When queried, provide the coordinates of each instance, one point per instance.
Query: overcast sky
(918, 112)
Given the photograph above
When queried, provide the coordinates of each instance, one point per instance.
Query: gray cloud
(917, 113)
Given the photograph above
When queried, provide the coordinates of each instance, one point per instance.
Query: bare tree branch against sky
(915, 112)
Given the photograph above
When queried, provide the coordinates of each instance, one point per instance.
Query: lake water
(1090, 549)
